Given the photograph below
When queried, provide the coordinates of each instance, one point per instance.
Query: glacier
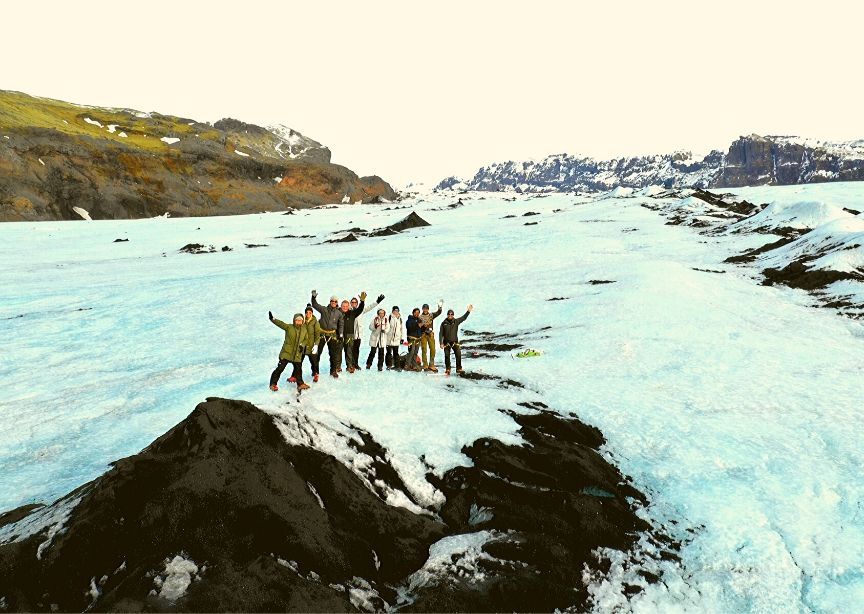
(733, 406)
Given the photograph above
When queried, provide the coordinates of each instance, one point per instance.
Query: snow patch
(112, 128)
(93, 122)
(170, 140)
(53, 518)
(240, 153)
(83, 213)
(178, 574)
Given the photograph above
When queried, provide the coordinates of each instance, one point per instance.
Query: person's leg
(371, 356)
(423, 343)
(357, 353)
(297, 373)
(380, 358)
(458, 351)
(348, 350)
(335, 349)
(447, 358)
(388, 357)
(317, 364)
(277, 372)
(431, 340)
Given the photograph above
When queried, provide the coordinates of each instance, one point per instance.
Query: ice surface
(82, 212)
(735, 407)
(800, 214)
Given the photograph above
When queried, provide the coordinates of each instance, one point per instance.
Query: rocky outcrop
(116, 164)
(234, 509)
(750, 160)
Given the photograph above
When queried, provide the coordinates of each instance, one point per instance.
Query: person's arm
(373, 324)
(340, 325)
(356, 312)
(315, 304)
(279, 323)
(463, 318)
(441, 335)
(438, 313)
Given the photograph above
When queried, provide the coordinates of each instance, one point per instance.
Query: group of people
(338, 328)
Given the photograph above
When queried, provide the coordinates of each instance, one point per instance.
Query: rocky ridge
(64, 161)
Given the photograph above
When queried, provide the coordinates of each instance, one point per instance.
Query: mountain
(750, 160)
(65, 161)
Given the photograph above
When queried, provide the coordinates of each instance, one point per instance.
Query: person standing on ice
(313, 334)
(293, 349)
(395, 337)
(427, 339)
(414, 329)
(358, 334)
(331, 321)
(449, 336)
(350, 316)
(380, 326)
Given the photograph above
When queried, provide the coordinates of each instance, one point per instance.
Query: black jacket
(448, 334)
(348, 319)
(412, 326)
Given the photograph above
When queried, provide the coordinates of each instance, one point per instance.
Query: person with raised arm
(448, 334)
(293, 349)
(395, 338)
(332, 321)
(427, 337)
(358, 324)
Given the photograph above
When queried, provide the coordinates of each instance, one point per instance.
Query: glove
(314, 350)
(270, 313)
(314, 293)
(470, 308)
(440, 303)
(363, 296)
(380, 298)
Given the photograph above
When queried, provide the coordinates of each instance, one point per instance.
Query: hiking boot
(447, 372)
(432, 369)
(315, 378)
(460, 371)
(350, 369)
(274, 388)
(339, 370)
(368, 366)
(335, 374)
(302, 387)
(380, 368)
(292, 380)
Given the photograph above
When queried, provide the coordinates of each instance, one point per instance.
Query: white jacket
(395, 331)
(378, 338)
(358, 325)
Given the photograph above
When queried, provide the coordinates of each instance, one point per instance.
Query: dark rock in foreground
(222, 514)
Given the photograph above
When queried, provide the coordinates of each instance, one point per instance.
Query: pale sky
(416, 91)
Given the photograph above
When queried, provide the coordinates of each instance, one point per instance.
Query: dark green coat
(313, 333)
(296, 341)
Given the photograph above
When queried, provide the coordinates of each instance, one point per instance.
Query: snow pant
(297, 371)
(428, 341)
(372, 351)
(314, 361)
(392, 356)
(413, 348)
(457, 350)
(348, 346)
(334, 347)
(356, 352)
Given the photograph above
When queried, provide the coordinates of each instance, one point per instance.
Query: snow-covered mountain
(750, 160)
(684, 438)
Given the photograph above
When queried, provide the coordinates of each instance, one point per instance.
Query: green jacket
(313, 333)
(296, 341)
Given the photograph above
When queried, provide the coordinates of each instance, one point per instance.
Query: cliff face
(56, 157)
(750, 160)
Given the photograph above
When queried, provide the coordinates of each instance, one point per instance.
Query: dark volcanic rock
(198, 248)
(798, 275)
(551, 503)
(346, 239)
(224, 489)
(120, 240)
(411, 221)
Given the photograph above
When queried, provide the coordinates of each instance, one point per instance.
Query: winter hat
(308, 307)
(298, 316)
(334, 298)
(425, 305)
(395, 307)
(450, 312)
(380, 310)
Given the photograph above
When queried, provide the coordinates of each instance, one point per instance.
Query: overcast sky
(415, 91)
